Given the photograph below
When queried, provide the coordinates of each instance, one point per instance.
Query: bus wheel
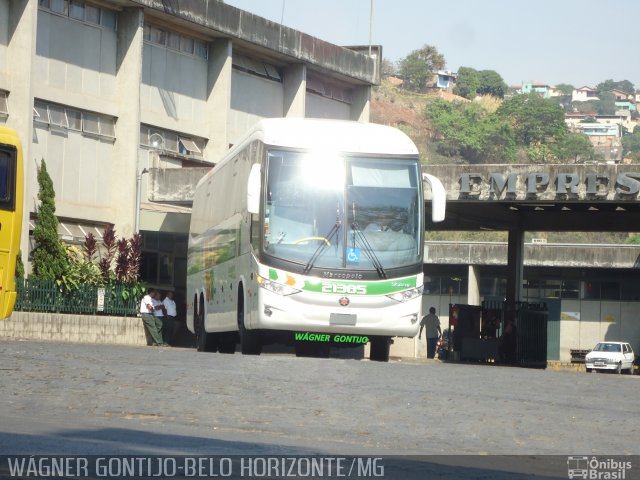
(205, 342)
(250, 341)
(227, 342)
(380, 349)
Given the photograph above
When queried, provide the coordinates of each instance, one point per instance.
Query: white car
(617, 356)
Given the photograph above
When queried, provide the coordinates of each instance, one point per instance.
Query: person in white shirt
(432, 324)
(169, 321)
(152, 323)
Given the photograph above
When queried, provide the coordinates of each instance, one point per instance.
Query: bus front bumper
(325, 313)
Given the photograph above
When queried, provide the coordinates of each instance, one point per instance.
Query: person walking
(432, 324)
(151, 325)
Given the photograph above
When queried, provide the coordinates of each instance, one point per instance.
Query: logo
(343, 276)
(353, 255)
(597, 469)
(344, 301)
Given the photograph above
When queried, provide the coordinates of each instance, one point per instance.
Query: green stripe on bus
(360, 288)
(273, 274)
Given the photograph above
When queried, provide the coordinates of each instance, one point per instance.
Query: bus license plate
(342, 319)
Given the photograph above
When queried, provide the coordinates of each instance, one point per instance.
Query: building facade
(129, 102)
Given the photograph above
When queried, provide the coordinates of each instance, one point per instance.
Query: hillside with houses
(472, 116)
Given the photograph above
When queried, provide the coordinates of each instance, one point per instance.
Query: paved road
(88, 399)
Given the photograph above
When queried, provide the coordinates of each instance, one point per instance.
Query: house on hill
(584, 94)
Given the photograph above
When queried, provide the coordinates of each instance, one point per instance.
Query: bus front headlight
(406, 295)
(274, 287)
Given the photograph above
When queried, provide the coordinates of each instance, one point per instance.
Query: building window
(82, 11)
(92, 14)
(59, 116)
(329, 90)
(76, 10)
(4, 104)
(168, 141)
(256, 67)
(175, 41)
(60, 6)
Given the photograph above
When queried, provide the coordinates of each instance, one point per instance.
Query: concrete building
(131, 101)
(591, 291)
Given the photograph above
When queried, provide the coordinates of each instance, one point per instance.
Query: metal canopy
(538, 197)
(567, 217)
(519, 198)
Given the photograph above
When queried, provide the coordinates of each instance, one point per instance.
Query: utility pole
(370, 23)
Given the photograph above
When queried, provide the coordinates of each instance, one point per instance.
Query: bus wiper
(368, 250)
(323, 245)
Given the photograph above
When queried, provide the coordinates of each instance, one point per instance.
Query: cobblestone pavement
(95, 399)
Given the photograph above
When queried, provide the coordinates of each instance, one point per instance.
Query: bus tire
(380, 349)
(250, 341)
(205, 342)
(227, 343)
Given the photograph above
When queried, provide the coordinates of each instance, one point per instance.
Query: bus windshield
(339, 212)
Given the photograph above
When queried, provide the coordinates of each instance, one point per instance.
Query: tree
(574, 147)
(608, 85)
(534, 120)
(606, 105)
(467, 83)
(471, 131)
(491, 83)
(387, 68)
(565, 88)
(49, 256)
(417, 68)
(631, 144)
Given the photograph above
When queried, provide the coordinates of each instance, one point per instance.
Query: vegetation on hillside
(524, 128)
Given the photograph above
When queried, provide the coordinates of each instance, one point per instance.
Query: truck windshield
(345, 212)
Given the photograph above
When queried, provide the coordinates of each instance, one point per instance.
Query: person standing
(151, 325)
(169, 320)
(158, 313)
(432, 324)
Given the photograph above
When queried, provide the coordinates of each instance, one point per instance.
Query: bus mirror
(438, 197)
(253, 190)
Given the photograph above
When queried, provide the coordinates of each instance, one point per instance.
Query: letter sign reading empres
(546, 186)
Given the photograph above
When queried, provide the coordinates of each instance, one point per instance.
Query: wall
(248, 107)
(79, 166)
(4, 41)
(74, 328)
(321, 107)
(75, 63)
(598, 321)
(173, 92)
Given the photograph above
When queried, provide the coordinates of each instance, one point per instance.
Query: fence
(47, 296)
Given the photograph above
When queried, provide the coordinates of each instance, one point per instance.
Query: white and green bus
(311, 227)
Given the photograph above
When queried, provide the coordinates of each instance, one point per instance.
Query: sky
(580, 42)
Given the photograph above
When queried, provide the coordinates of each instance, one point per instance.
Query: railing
(47, 296)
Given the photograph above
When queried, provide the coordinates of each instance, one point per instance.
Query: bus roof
(8, 135)
(336, 135)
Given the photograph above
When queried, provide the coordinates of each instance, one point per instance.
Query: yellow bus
(11, 193)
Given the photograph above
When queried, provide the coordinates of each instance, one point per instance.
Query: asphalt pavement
(77, 399)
